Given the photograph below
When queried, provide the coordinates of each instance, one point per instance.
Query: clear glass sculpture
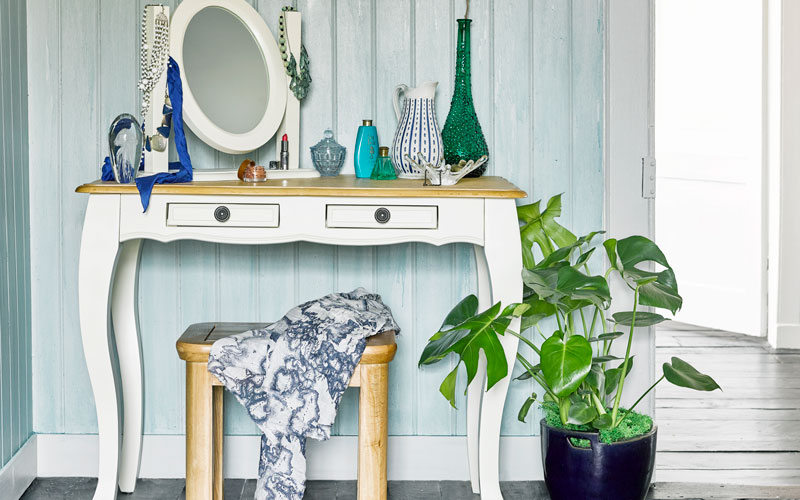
(125, 148)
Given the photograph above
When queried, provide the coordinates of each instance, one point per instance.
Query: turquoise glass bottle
(366, 150)
(384, 170)
(462, 135)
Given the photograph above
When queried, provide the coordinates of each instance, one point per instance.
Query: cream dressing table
(330, 210)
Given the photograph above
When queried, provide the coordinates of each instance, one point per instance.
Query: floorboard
(748, 433)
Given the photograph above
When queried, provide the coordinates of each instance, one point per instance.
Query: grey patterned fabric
(290, 376)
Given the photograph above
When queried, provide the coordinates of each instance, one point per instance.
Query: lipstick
(285, 152)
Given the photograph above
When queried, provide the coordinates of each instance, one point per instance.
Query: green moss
(633, 426)
(581, 443)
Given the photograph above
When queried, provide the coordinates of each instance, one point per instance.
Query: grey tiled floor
(241, 489)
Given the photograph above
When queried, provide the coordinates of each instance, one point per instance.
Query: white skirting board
(411, 458)
(20, 471)
(785, 336)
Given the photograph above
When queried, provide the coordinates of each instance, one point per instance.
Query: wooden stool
(204, 411)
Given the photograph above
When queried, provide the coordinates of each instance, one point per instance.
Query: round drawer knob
(382, 215)
(222, 213)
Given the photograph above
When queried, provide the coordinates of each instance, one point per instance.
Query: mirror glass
(220, 52)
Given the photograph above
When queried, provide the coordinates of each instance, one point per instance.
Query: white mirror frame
(194, 116)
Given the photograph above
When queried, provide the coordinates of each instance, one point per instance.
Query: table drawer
(382, 216)
(226, 214)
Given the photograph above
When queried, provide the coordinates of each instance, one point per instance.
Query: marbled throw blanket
(291, 376)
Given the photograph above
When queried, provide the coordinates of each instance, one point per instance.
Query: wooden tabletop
(342, 185)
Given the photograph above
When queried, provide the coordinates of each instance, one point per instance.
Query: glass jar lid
(328, 144)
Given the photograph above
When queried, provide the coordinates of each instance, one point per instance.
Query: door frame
(629, 139)
(783, 154)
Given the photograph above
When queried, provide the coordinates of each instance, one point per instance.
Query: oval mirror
(234, 87)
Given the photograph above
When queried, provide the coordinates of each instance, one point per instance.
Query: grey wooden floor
(239, 489)
(747, 434)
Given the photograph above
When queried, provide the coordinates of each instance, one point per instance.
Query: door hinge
(649, 177)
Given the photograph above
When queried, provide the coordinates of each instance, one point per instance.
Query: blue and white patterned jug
(417, 129)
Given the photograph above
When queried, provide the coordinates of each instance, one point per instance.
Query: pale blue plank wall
(538, 85)
(16, 407)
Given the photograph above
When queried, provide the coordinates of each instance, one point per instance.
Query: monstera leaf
(565, 363)
(537, 310)
(656, 289)
(567, 287)
(525, 408)
(541, 229)
(643, 318)
(682, 374)
(465, 334)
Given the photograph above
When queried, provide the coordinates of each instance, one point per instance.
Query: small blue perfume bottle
(366, 151)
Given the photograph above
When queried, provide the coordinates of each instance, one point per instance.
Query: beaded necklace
(301, 80)
(151, 70)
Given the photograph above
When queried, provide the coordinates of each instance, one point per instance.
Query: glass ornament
(462, 134)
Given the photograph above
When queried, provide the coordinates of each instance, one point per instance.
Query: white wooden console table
(335, 210)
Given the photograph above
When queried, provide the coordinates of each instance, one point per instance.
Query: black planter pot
(618, 471)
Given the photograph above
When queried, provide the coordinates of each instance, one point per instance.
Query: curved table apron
(115, 226)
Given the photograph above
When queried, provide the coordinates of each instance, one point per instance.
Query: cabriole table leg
(98, 255)
(129, 350)
(504, 262)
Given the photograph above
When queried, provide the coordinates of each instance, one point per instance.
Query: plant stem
(586, 332)
(640, 399)
(541, 333)
(543, 384)
(606, 343)
(524, 339)
(535, 376)
(594, 320)
(558, 320)
(623, 373)
(598, 404)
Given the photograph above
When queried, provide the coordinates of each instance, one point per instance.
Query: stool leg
(373, 431)
(199, 423)
(218, 438)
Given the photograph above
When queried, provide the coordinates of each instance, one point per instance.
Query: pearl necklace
(153, 66)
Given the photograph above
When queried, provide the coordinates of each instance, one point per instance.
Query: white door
(708, 119)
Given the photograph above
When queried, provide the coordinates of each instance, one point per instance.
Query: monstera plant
(582, 378)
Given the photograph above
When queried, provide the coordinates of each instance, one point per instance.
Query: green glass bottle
(462, 135)
(383, 170)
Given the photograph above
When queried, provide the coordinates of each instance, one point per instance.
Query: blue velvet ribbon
(184, 164)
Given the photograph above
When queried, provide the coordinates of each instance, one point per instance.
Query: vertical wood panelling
(511, 125)
(434, 266)
(23, 207)
(587, 114)
(354, 84)
(6, 249)
(79, 121)
(15, 325)
(44, 66)
(551, 99)
(537, 83)
(396, 264)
